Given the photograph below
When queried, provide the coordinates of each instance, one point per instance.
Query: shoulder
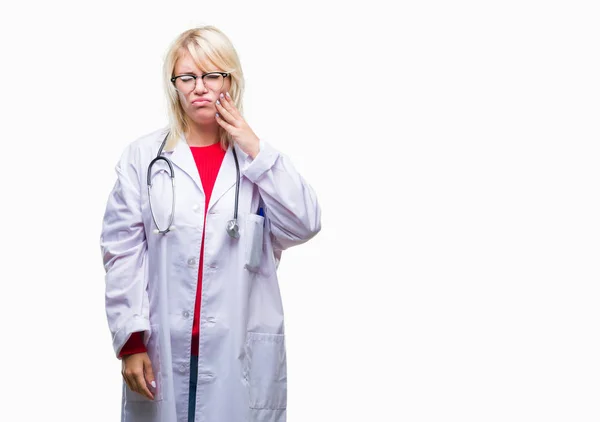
(149, 142)
(138, 153)
(144, 146)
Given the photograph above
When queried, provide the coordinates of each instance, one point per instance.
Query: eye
(213, 76)
(186, 78)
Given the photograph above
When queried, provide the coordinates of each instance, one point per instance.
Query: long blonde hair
(207, 45)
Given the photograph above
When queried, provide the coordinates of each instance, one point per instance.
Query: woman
(193, 304)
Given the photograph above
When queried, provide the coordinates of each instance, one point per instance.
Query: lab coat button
(182, 368)
(211, 320)
(192, 262)
(196, 208)
(186, 314)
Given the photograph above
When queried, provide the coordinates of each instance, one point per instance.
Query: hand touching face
(232, 121)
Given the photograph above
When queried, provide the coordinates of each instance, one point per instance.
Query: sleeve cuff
(135, 344)
(264, 160)
(137, 323)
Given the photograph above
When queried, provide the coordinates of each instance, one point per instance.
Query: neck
(197, 135)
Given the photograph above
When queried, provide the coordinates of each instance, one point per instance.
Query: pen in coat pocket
(261, 212)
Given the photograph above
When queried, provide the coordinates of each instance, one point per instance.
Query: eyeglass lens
(212, 81)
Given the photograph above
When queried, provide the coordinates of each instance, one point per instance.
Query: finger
(230, 106)
(229, 128)
(126, 373)
(224, 112)
(149, 373)
(130, 381)
(126, 380)
(141, 387)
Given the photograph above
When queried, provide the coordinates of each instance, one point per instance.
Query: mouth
(200, 102)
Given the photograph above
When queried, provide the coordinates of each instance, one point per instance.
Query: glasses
(187, 83)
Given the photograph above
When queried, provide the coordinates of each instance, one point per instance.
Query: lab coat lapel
(227, 175)
(182, 157)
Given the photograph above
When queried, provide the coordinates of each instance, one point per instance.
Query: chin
(205, 120)
(202, 113)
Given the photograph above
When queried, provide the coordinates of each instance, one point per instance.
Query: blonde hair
(208, 46)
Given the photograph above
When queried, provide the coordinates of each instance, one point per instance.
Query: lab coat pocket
(253, 241)
(265, 370)
(153, 354)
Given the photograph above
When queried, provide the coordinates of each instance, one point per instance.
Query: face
(201, 112)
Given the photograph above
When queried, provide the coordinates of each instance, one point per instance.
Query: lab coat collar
(227, 175)
(181, 156)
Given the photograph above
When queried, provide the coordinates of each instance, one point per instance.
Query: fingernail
(153, 384)
(218, 115)
(218, 102)
(228, 95)
(222, 96)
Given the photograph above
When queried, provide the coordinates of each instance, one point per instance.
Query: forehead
(186, 63)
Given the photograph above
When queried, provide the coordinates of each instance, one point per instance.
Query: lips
(200, 101)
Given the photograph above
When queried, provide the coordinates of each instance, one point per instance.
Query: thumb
(149, 373)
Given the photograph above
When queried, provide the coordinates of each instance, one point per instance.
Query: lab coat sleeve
(291, 205)
(124, 252)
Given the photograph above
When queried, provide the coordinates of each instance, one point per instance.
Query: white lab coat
(242, 373)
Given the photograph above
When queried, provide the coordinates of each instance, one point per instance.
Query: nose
(199, 82)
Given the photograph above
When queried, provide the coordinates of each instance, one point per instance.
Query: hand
(137, 373)
(232, 121)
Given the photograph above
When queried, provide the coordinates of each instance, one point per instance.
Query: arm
(292, 209)
(124, 250)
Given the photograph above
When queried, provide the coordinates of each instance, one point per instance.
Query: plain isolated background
(454, 150)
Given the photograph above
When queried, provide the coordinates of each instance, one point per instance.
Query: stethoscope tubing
(232, 226)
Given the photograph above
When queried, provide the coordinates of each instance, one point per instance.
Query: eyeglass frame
(223, 74)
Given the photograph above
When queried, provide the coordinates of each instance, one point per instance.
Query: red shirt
(208, 160)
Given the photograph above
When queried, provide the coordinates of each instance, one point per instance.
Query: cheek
(182, 101)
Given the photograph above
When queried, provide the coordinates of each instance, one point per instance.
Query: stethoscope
(232, 228)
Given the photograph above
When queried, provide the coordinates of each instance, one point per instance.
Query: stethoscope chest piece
(233, 229)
